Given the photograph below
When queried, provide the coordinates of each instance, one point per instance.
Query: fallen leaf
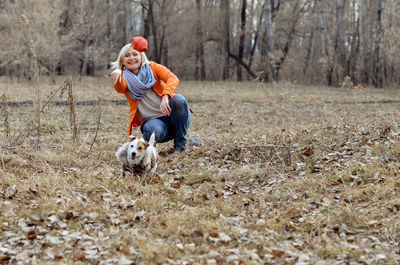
(79, 256)
(11, 192)
(180, 246)
(224, 237)
(277, 253)
(34, 219)
(34, 190)
(32, 235)
(197, 236)
(308, 151)
(125, 261)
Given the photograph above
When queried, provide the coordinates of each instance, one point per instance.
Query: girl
(150, 90)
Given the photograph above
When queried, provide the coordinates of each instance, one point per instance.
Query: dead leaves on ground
(327, 194)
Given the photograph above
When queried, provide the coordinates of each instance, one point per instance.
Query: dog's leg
(153, 170)
(151, 173)
(141, 178)
(124, 168)
(144, 176)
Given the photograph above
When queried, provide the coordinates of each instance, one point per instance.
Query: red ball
(139, 44)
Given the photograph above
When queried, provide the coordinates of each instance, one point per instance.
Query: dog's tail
(152, 140)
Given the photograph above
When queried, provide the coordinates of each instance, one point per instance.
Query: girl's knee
(179, 103)
(147, 130)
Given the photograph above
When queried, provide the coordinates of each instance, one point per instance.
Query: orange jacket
(166, 84)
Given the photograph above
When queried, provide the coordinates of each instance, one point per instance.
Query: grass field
(297, 175)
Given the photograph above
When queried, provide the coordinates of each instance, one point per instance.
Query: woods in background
(305, 41)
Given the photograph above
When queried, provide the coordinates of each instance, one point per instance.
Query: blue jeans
(170, 127)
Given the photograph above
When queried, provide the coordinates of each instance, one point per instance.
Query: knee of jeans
(146, 133)
(179, 103)
(148, 130)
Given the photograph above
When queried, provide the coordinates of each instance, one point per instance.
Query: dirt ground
(273, 174)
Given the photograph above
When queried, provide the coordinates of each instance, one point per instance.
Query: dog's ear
(131, 138)
(146, 144)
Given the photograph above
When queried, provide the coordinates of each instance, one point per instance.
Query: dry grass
(242, 200)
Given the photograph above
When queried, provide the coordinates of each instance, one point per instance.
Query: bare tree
(200, 68)
(256, 33)
(361, 62)
(269, 36)
(297, 11)
(379, 66)
(340, 40)
(310, 40)
(211, 39)
(224, 7)
(45, 20)
(242, 34)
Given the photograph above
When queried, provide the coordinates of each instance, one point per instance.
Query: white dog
(138, 156)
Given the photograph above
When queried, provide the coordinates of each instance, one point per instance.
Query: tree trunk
(156, 54)
(86, 64)
(146, 20)
(128, 30)
(108, 10)
(324, 40)
(362, 73)
(269, 32)
(226, 38)
(351, 60)
(269, 26)
(241, 38)
(256, 35)
(163, 46)
(340, 50)
(310, 42)
(324, 45)
(379, 51)
(296, 14)
(200, 68)
(164, 51)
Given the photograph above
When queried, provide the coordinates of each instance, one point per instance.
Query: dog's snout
(133, 154)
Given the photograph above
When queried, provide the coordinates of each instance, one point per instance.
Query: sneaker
(180, 148)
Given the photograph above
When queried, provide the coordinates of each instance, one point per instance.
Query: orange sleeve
(169, 79)
(121, 87)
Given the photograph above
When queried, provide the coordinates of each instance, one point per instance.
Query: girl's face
(132, 60)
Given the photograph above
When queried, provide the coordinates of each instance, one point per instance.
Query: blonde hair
(118, 63)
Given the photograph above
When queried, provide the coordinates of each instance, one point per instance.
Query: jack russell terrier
(138, 156)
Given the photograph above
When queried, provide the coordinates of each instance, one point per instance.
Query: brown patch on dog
(141, 147)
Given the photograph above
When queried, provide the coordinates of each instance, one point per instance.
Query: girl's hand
(116, 76)
(164, 106)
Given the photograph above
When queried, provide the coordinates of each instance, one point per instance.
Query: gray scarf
(139, 84)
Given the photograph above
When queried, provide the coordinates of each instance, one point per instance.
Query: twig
(72, 114)
(86, 116)
(2, 162)
(19, 139)
(36, 74)
(98, 125)
(6, 112)
(53, 94)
